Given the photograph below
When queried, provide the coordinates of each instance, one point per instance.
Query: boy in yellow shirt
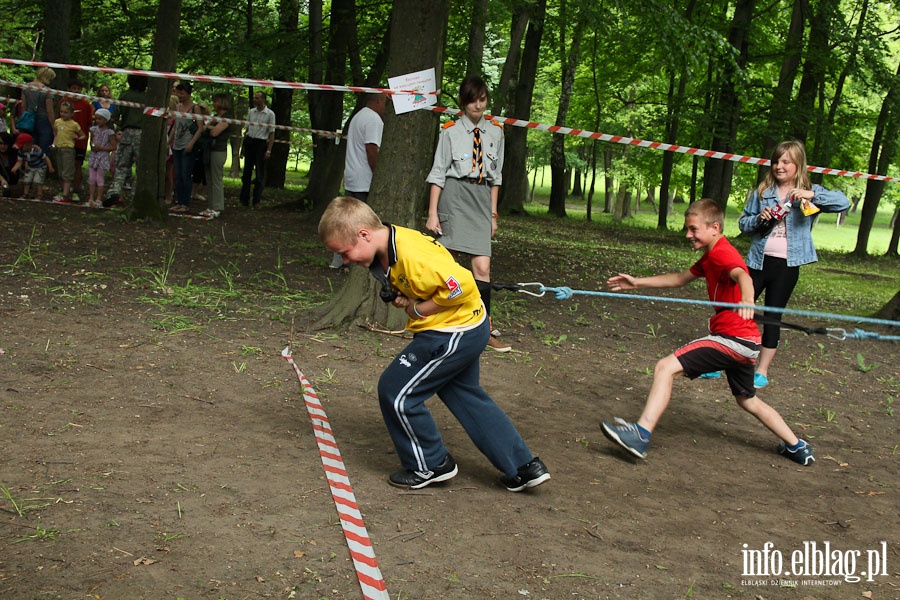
(447, 317)
(65, 132)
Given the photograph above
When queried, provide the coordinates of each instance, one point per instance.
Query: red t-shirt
(84, 116)
(715, 265)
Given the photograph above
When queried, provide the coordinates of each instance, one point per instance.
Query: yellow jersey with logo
(421, 268)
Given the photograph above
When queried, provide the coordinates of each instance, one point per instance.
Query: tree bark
(475, 49)
(718, 172)
(283, 99)
(398, 195)
(884, 149)
(57, 26)
(326, 109)
(559, 183)
(515, 186)
(804, 116)
(500, 99)
(151, 166)
(781, 95)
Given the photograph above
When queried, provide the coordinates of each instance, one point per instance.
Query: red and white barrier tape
(361, 551)
(621, 139)
(162, 112)
(65, 94)
(605, 137)
(217, 79)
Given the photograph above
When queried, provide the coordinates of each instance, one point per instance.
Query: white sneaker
(212, 214)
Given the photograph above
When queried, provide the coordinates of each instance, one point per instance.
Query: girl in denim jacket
(776, 254)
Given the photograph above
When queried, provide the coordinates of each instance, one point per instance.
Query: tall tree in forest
(804, 115)
(398, 195)
(514, 190)
(500, 98)
(884, 150)
(475, 49)
(283, 98)
(825, 144)
(569, 55)
(727, 109)
(151, 168)
(326, 109)
(57, 32)
(781, 95)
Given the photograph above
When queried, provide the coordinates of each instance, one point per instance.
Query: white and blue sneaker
(802, 455)
(627, 435)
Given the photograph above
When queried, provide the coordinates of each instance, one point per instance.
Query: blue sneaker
(760, 380)
(802, 455)
(711, 375)
(626, 435)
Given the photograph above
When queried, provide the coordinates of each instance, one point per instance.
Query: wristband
(493, 215)
(416, 311)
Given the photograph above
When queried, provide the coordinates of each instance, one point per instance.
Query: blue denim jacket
(801, 250)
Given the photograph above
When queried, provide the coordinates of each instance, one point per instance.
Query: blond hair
(45, 75)
(344, 217)
(796, 151)
(708, 210)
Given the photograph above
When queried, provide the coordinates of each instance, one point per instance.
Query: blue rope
(566, 293)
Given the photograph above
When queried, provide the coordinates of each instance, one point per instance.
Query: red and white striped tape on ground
(217, 79)
(621, 139)
(361, 551)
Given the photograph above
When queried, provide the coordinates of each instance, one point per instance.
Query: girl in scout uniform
(465, 181)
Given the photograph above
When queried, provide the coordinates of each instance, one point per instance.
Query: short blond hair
(344, 217)
(708, 210)
(45, 75)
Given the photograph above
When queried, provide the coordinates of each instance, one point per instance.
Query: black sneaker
(531, 475)
(415, 480)
(110, 200)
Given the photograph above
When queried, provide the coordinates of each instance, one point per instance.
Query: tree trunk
(283, 99)
(151, 167)
(781, 95)
(57, 29)
(559, 183)
(825, 143)
(398, 195)
(609, 202)
(673, 122)
(717, 173)
(891, 310)
(515, 187)
(500, 99)
(818, 55)
(884, 148)
(475, 49)
(326, 110)
(892, 249)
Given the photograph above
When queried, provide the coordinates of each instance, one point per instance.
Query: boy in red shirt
(732, 346)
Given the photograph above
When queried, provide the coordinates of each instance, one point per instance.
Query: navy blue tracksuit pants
(446, 364)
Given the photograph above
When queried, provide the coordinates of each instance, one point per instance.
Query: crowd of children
(26, 161)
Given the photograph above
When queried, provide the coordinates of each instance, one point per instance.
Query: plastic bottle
(778, 212)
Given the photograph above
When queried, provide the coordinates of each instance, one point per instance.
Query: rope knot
(564, 293)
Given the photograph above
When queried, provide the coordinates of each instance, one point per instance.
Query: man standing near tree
(363, 143)
(257, 148)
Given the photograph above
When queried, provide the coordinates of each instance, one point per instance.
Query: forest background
(735, 76)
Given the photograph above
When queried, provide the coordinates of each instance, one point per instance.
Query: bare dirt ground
(155, 444)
